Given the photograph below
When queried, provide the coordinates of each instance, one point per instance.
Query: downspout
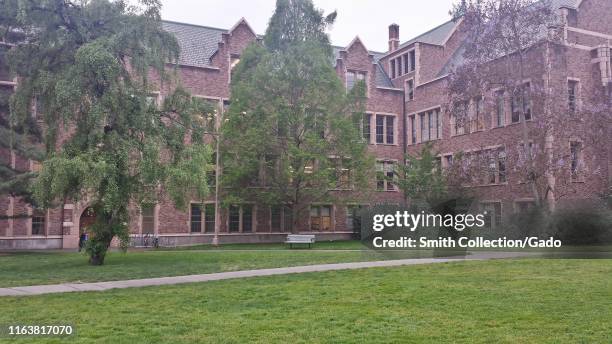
(404, 135)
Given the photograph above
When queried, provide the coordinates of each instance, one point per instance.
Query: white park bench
(300, 239)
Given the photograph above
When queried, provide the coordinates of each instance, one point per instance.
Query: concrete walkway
(100, 286)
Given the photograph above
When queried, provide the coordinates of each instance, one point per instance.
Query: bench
(300, 239)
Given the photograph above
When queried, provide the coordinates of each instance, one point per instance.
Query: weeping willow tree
(89, 66)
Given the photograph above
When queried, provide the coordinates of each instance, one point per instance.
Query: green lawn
(30, 268)
(504, 301)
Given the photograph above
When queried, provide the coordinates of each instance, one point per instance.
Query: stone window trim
(417, 123)
(203, 229)
(156, 96)
(409, 92)
(241, 212)
(386, 161)
(396, 124)
(30, 222)
(332, 216)
(284, 208)
(577, 95)
(366, 79)
(398, 63)
(529, 84)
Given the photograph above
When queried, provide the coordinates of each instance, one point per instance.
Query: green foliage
(89, 65)
(290, 129)
(422, 178)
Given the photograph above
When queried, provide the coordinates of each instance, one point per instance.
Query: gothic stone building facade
(406, 108)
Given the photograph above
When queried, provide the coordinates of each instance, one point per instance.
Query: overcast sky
(367, 18)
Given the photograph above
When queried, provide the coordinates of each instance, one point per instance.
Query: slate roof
(435, 36)
(198, 43)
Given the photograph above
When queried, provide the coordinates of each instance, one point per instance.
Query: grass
(504, 301)
(32, 268)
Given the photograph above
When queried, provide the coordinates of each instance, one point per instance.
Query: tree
(500, 46)
(291, 136)
(507, 41)
(88, 65)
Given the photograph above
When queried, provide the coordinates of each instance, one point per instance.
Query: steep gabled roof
(198, 43)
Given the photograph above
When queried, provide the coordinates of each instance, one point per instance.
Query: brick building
(406, 107)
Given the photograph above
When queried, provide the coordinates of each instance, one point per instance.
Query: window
(240, 218)
(341, 173)
(410, 89)
(352, 77)
(367, 130)
(208, 222)
(385, 129)
(478, 114)
(234, 61)
(196, 218)
(430, 125)
(320, 217)
(385, 175)
(459, 117)
(519, 102)
(499, 109)
(424, 127)
(38, 222)
(572, 95)
(449, 160)
(234, 218)
(5, 93)
(575, 160)
(281, 218)
(353, 218)
(152, 100)
(148, 218)
(492, 212)
(413, 129)
(402, 64)
(523, 207)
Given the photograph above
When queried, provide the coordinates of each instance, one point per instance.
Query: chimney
(393, 37)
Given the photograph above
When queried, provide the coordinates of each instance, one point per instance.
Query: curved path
(101, 286)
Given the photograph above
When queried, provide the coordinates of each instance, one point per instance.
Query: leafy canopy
(292, 129)
(90, 67)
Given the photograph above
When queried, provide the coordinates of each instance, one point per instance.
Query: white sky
(367, 18)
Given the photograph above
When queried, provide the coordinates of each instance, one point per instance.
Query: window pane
(413, 129)
(234, 218)
(350, 80)
(275, 219)
(209, 218)
(326, 218)
(315, 220)
(38, 222)
(380, 129)
(288, 219)
(196, 218)
(247, 218)
(390, 129)
(366, 126)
